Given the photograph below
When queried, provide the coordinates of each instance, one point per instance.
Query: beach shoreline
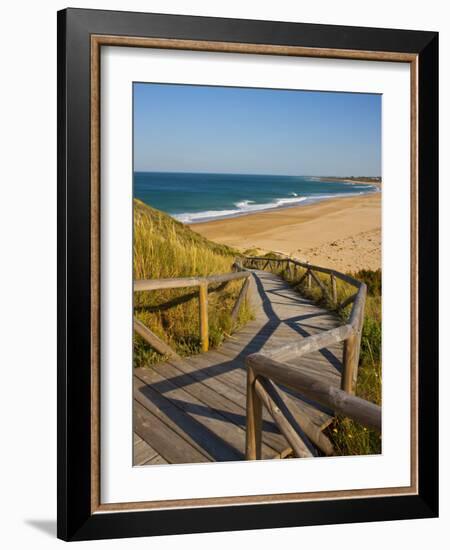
(356, 181)
(305, 202)
(340, 232)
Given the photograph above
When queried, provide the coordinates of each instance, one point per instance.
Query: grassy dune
(348, 437)
(165, 248)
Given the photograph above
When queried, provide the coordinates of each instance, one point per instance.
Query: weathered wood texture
(283, 418)
(364, 412)
(153, 340)
(239, 302)
(352, 337)
(203, 312)
(202, 284)
(184, 282)
(194, 409)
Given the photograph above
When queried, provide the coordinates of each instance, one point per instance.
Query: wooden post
(240, 300)
(302, 278)
(366, 413)
(291, 271)
(333, 288)
(353, 343)
(254, 419)
(358, 346)
(350, 359)
(308, 279)
(203, 299)
(283, 419)
(320, 284)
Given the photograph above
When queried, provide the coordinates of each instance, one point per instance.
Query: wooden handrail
(328, 271)
(352, 340)
(366, 413)
(310, 343)
(261, 368)
(183, 282)
(202, 283)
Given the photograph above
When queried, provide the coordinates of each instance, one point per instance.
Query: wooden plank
(231, 416)
(216, 381)
(142, 452)
(158, 459)
(235, 378)
(232, 384)
(231, 404)
(188, 417)
(173, 417)
(168, 443)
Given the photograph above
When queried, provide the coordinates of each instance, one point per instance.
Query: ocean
(198, 197)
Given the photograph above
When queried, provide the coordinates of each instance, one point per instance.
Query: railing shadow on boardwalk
(186, 414)
(253, 346)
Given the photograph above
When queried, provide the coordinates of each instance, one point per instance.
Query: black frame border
(75, 520)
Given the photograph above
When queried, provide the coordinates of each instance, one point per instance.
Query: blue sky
(180, 128)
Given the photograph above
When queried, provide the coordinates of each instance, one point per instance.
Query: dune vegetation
(349, 437)
(165, 248)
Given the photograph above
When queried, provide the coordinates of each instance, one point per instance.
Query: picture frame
(81, 35)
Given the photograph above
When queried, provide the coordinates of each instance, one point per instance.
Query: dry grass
(165, 248)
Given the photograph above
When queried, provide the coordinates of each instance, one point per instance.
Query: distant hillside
(166, 248)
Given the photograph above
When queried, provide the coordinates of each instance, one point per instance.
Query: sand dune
(344, 233)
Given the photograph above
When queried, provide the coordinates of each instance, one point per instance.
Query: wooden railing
(263, 375)
(202, 283)
(350, 333)
(266, 370)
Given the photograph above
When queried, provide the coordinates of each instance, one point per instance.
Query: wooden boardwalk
(194, 409)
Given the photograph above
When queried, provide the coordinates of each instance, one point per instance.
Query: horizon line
(254, 174)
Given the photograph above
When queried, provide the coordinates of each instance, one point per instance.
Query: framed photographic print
(247, 274)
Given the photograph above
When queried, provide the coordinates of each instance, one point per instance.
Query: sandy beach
(343, 233)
